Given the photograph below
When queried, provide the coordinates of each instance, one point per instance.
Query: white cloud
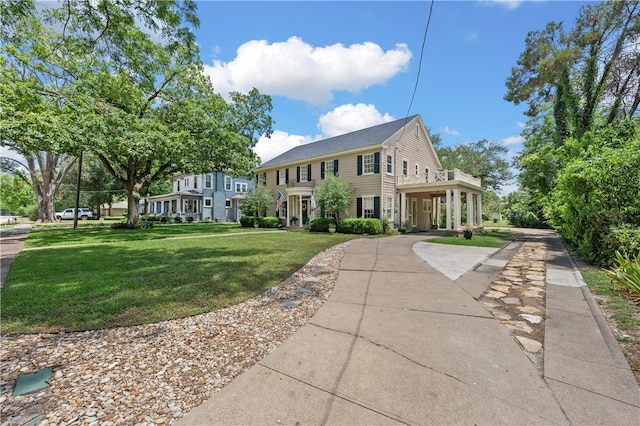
(348, 118)
(509, 4)
(449, 131)
(297, 70)
(520, 124)
(268, 148)
(512, 140)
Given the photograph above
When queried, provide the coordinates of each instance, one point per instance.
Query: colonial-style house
(394, 172)
(214, 196)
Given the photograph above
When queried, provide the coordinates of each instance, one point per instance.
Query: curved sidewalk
(399, 342)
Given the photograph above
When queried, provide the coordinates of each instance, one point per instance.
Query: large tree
(132, 70)
(482, 159)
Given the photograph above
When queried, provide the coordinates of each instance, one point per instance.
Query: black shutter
(359, 207)
(359, 165)
(335, 167)
(298, 174)
(376, 162)
(278, 177)
(286, 176)
(376, 207)
(322, 170)
(309, 173)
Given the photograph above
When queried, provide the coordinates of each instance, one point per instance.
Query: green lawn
(495, 238)
(625, 313)
(144, 281)
(43, 237)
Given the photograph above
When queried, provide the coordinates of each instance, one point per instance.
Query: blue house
(211, 196)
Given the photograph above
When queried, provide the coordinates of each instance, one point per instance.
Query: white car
(83, 214)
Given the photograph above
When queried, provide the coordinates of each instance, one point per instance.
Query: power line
(424, 42)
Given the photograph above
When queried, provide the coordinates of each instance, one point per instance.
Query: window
(303, 174)
(328, 168)
(367, 207)
(282, 177)
(426, 174)
(405, 167)
(186, 183)
(227, 183)
(262, 179)
(195, 182)
(178, 185)
(208, 181)
(241, 187)
(368, 161)
(208, 202)
(390, 164)
(417, 169)
(388, 208)
(227, 203)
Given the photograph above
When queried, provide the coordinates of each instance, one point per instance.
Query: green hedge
(269, 222)
(321, 224)
(360, 226)
(247, 221)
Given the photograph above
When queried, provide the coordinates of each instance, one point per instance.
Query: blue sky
(332, 67)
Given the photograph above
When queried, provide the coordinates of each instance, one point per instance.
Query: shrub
(627, 272)
(321, 224)
(247, 221)
(269, 222)
(190, 219)
(602, 250)
(145, 224)
(31, 211)
(177, 219)
(361, 226)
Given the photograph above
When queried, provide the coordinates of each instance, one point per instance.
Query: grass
(625, 313)
(145, 279)
(66, 236)
(494, 238)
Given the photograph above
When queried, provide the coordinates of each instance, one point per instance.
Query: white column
(300, 211)
(479, 208)
(457, 204)
(470, 216)
(448, 208)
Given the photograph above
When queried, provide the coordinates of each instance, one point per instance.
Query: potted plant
(294, 220)
(332, 228)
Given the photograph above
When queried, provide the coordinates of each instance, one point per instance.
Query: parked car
(83, 214)
(7, 218)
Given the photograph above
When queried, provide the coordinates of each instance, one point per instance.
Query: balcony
(442, 176)
(305, 184)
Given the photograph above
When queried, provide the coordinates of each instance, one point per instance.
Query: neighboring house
(215, 196)
(394, 171)
(119, 208)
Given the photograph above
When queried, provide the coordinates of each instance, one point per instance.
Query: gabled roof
(371, 136)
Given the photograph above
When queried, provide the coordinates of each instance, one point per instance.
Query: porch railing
(443, 176)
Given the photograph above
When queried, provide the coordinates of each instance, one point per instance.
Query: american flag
(279, 201)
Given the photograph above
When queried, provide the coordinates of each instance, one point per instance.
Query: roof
(371, 136)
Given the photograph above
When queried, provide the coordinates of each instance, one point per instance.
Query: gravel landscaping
(154, 374)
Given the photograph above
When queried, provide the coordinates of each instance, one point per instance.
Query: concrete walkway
(11, 242)
(399, 342)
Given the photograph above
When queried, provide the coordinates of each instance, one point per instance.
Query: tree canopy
(124, 81)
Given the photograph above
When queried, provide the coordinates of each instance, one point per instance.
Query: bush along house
(394, 172)
(212, 196)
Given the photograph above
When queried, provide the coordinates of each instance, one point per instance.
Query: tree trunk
(133, 202)
(46, 181)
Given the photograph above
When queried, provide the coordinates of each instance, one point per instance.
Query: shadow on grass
(114, 285)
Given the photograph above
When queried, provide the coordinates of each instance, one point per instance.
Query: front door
(305, 210)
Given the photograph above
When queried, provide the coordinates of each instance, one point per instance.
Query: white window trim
(386, 164)
(303, 174)
(328, 167)
(283, 177)
(372, 164)
(228, 183)
(210, 182)
(366, 198)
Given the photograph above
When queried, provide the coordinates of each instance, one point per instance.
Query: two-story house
(394, 172)
(215, 196)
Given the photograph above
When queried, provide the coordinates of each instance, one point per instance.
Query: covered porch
(181, 204)
(451, 197)
(299, 206)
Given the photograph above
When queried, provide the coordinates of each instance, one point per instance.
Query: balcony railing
(304, 184)
(442, 176)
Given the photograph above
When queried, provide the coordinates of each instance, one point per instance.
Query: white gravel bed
(154, 374)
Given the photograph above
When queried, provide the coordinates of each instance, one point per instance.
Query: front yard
(110, 279)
